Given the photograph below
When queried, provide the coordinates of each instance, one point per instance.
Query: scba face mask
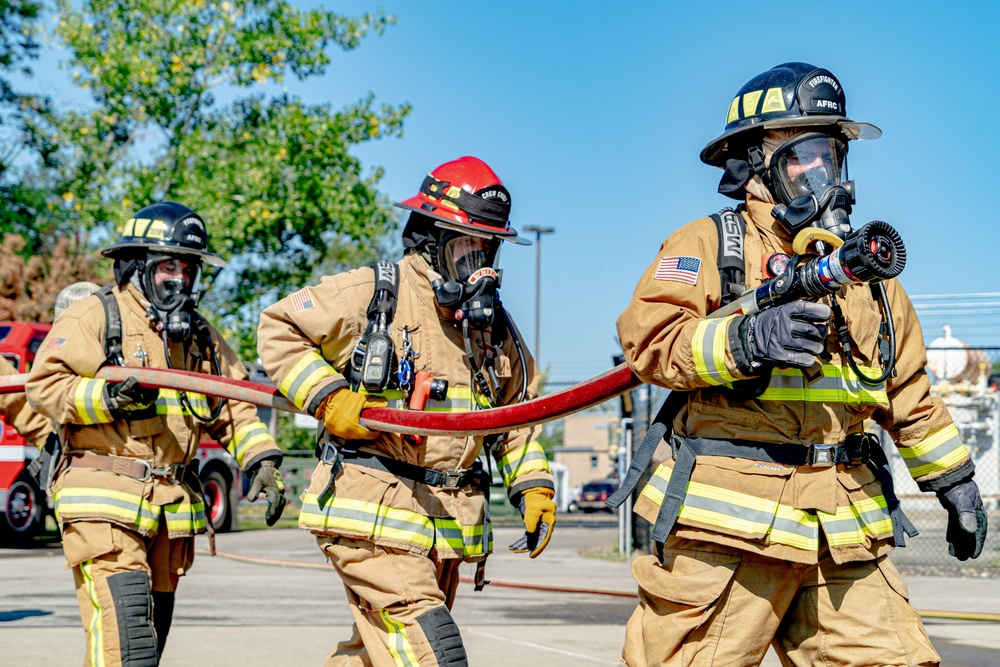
(173, 286)
(469, 280)
(806, 175)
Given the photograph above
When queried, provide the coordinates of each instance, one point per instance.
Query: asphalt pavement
(269, 599)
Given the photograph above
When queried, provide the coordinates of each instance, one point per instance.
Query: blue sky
(593, 114)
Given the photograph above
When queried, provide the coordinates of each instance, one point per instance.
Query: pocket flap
(686, 577)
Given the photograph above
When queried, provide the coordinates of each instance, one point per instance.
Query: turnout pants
(401, 605)
(125, 586)
(702, 603)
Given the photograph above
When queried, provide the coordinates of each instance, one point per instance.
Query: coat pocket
(87, 540)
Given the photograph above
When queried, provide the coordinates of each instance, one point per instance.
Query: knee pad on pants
(133, 600)
(443, 635)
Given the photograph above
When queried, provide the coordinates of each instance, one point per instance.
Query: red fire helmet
(467, 196)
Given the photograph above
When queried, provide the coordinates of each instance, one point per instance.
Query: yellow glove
(341, 411)
(539, 512)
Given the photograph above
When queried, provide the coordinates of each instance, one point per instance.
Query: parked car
(593, 494)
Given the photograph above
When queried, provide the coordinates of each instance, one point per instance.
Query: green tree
(274, 178)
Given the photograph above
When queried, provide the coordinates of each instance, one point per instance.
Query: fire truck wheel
(217, 504)
(24, 512)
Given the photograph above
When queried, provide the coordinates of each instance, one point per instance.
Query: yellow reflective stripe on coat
(851, 524)
(458, 399)
(90, 502)
(374, 521)
(708, 349)
(246, 438)
(89, 402)
(304, 376)
(523, 460)
(781, 524)
(941, 450)
(366, 518)
(169, 403)
(185, 517)
(398, 643)
(467, 540)
(836, 385)
(96, 645)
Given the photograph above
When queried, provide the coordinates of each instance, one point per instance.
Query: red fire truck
(24, 507)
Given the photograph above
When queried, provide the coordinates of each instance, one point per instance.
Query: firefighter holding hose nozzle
(779, 329)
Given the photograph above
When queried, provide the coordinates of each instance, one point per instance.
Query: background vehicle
(22, 504)
(593, 494)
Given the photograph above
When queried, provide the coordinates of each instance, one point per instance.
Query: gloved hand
(267, 478)
(539, 512)
(341, 411)
(791, 334)
(127, 399)
(966, 532)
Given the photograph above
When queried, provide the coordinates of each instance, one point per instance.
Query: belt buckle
(149, 470)
(452, 480)
(822, 456)
(328, 452)
(173, 473)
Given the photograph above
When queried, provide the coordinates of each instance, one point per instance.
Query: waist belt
(134, 468)
(337, 456)
(858, 449)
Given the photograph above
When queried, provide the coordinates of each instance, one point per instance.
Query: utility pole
(538, 231)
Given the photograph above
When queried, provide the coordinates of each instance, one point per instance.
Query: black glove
(267, 478)
(966, 533)
(128, 399)
(791, 334)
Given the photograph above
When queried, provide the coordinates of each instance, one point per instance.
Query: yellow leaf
(67, 196)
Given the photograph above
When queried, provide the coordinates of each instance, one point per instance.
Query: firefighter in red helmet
(397, 515)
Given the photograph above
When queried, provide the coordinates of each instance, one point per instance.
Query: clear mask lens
(173, 280)
(808, 165)
(464, 255)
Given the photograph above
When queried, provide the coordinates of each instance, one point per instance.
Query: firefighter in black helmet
(127, 491)
(774, 513)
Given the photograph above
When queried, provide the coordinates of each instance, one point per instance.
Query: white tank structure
(960, 380)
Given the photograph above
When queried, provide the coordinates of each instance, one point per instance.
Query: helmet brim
(206, 257)
(444, 218)
(717, 151)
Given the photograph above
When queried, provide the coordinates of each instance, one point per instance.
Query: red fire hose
(480, 422)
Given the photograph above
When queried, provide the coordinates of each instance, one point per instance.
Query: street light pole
(538, 231)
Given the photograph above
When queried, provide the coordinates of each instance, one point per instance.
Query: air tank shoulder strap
(113, 327)
(731, 230)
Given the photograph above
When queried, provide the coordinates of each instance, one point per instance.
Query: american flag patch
(55, 343)
(679, 269)
(302, 300)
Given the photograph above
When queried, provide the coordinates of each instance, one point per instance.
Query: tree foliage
(172, 116)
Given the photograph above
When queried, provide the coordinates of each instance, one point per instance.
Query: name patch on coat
(679, 269)
(302, 300)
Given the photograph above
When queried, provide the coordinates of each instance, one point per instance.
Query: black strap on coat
(113, 327)
(731, 229)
